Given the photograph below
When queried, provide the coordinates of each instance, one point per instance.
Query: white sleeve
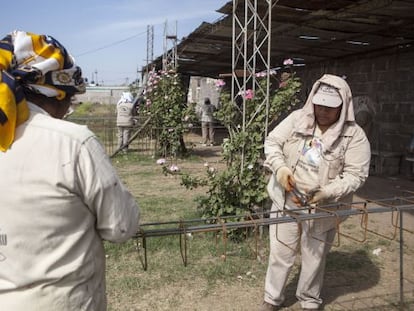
(115, 209)
(273, 146)
(356, 167)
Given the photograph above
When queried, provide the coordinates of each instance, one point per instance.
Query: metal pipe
(301, 214)
(401, 263)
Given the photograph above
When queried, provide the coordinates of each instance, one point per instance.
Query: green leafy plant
(165, 104)
(241, 188)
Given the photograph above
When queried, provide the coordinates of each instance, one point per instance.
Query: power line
(111, 44)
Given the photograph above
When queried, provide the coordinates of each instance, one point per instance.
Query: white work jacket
(345, 159)
(60, 197)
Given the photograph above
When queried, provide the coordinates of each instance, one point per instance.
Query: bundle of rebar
(337, 211)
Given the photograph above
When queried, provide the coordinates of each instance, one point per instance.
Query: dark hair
(207, 101)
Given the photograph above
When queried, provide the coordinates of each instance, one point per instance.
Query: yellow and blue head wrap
(34, 63)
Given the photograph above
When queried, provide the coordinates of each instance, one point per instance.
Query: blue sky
(108, 36)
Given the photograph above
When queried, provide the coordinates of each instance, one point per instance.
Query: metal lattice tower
(251, 52)
(150, 55)
(169, 58)
(150, 45)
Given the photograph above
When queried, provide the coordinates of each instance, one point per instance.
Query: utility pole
(150, 55)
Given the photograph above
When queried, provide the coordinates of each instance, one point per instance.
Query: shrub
(241, 188)
(165, 104)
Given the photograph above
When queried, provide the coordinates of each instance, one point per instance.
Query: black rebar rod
(401, 263)
(301, 214)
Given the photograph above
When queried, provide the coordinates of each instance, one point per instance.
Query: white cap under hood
(306, 122)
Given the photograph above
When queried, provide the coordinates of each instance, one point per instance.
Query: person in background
(206, 113)
(126, 111)
(60, 195)
(321, 152)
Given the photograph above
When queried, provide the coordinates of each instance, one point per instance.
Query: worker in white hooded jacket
(126, 110)
(320, 151)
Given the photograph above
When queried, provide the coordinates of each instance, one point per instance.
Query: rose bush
(166, 105)
(241, 188)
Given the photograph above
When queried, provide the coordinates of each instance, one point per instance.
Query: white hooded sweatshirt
(345, 156)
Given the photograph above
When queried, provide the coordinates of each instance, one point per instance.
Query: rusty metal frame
(223, 224)
(183, 237)
(295, 215)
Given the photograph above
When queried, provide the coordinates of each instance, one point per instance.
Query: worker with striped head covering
(32, 64)
(60, 195)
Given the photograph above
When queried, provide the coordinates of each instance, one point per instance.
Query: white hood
(306, 122)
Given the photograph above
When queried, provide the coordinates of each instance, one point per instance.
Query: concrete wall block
(408, 119)
(376, 87)
(381, 65)
(382, 76)
(393, 117)
(407, 168)
(405, 108)
(391, 166)
(406, 60)
(359, 88)
(388, 107)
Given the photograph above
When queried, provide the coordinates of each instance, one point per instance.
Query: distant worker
(206, 113)
(126, 111)
(60, 195)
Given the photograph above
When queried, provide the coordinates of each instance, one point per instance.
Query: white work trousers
(124, 133)
(285, 240)
(207, 132)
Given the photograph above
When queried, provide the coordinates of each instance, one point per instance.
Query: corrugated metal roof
(308, 31)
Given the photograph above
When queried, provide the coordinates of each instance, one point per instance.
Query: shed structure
(370, 42)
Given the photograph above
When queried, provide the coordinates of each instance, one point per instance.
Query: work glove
(295, 199)
(299, 198)
(317, 195)
(284, 177)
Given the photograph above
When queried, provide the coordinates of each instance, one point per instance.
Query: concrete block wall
(387, 80)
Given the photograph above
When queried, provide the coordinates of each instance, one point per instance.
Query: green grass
(162, 198)
(93, 110)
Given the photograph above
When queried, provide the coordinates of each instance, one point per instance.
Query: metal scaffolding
(251, 47)
(169, 57)
(150, 46)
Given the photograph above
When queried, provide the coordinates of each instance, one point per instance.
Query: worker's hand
(317, 195)
(299, 198)
(284, 177)
(296, 200)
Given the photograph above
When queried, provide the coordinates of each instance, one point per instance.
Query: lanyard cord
(296, 163)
